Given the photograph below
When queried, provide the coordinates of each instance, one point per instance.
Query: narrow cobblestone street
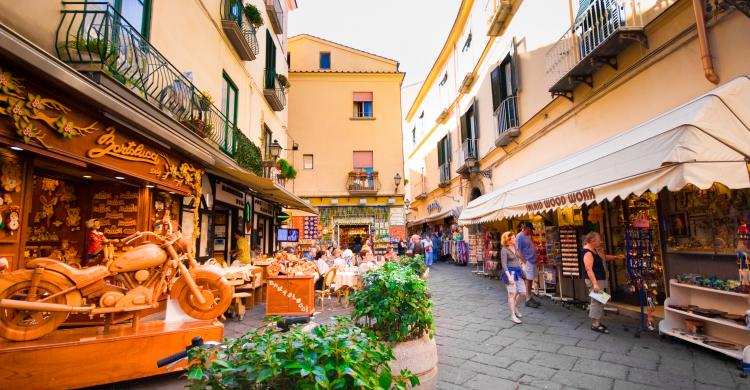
(479, 348)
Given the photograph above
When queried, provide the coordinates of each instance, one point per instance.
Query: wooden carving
(36, 300)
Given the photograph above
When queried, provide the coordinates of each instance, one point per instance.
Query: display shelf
(729, 352)
(674, 282)
(717, 320)
(708, 298)
(699, 253)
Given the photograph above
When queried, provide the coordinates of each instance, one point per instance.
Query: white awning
(453, 213)
(702, 142)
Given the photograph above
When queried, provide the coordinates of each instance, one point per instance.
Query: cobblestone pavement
(479, 348)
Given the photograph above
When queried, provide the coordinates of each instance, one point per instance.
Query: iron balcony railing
(233, 18)
(275, 15)
(274, 92)
(594, 24)
(445, 172)
(469, 147)
(363, 182)
(506, 115)
(93, 33)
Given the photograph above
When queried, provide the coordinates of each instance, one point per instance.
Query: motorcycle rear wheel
(215, 289)
(24, 325)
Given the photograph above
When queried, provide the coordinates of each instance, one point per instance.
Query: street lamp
(397, 180)
(275, 149)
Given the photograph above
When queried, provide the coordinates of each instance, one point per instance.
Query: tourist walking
(436, 243)
(401, 247)
(596, 277)
(511, 274)
(415, 247)
(427, 244)
(526, 251)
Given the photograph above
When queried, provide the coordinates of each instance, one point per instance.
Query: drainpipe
(700, 24)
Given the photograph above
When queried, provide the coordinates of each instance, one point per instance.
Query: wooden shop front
(64, 164)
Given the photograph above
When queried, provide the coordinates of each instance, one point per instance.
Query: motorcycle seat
(80, 277)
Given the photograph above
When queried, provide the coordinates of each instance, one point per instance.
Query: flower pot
(420, 357)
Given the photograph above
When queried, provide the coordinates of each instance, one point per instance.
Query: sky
(411, 32)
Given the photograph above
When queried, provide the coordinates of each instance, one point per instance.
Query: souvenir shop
(443, 223)
(677, 217)
(342, 225)
(72, 180)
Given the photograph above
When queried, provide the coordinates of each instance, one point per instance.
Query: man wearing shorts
(527, 252)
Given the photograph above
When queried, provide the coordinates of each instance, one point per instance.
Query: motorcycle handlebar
(196, 342)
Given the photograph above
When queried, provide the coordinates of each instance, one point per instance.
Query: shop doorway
(353, 236)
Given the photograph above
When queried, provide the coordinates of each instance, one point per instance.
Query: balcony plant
(283, 82)
(287, 170)
(205, 100)
(253, 15)
(395, 305)
(337, 356)
(247, 154)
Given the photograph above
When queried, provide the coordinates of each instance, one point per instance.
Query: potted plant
(287, 170)
(416, 264)
(205, 100)
(394, 304)
(283, 82)
(253, 15)
(338, 355)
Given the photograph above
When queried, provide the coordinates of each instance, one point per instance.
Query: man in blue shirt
(527, 252)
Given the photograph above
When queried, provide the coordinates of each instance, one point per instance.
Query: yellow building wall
(321, 123)
(305, 56)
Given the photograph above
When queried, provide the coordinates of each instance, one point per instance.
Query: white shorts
(518, 286)
(529, 271)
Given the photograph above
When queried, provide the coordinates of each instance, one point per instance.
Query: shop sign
(434, 206)
(561, 201)
(230, 195)
(262, 207)
(127, 150)
(398, 216)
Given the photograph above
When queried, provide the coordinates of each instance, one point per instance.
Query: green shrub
(416, 263)
(287, 170)
(248, 154)
(394, 303)
(253, 15)
(333, 356)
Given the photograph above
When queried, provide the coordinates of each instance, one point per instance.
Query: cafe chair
(327, 290)
(244, 294)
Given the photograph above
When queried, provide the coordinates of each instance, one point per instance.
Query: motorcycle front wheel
(215, 289)
(24, 325)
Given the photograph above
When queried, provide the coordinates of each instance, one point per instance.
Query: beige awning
(454, 212)
(267, 188)
(702, 142)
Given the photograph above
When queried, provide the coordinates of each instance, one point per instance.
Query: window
(270, 75)
(444, 150)
(469, 123)
(362, 160)
(136, 12)
(267, 141)
(307, 161)
(504, 82)
(325, 60)
(229, 103)
(362, 105)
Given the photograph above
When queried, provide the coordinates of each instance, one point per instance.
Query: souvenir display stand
(89, 356)
(639, 259)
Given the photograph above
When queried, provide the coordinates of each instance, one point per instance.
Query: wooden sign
(290, 296)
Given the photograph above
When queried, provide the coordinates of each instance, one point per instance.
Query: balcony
(469, 148)
(508, 123)
(238, 29)
(445, 174)
(274, 92)
(499, 11)
(363, 183)
(93, 37)
(602, 30)
(275, 15)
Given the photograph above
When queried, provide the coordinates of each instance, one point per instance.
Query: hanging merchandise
(570, 249)
(639, 262)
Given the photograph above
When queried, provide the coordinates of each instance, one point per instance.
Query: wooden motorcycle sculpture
(36, 300)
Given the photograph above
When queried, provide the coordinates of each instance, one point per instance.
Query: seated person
(323, 269)
(338, 261)
(389, 254)
(368, 261)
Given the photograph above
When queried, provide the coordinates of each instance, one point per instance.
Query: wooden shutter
(362, 159)
(496, 82)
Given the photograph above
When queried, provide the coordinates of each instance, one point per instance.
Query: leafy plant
(394, 303)
(416, 263)
(287, 170)
(332, 356)
(283, 82)
(253, 15)
(247, 154)
(205, 100)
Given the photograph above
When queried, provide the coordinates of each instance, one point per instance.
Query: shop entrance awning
(702, 142)
(454, 212)
(268, 189)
